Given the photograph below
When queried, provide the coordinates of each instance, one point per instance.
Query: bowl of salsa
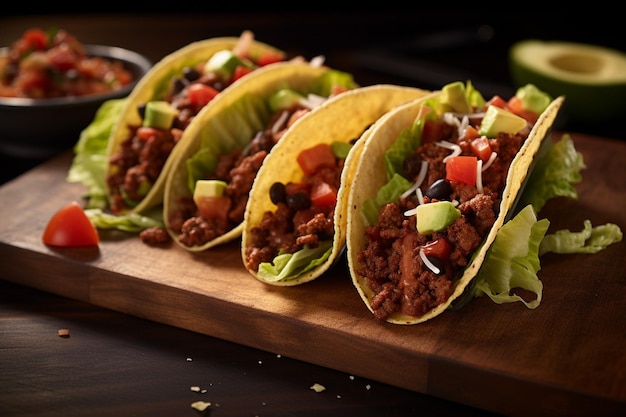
(51, 86)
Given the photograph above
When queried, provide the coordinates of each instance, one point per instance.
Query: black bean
(299, 201)
(440, 190)
(191, 74)
(277, 193)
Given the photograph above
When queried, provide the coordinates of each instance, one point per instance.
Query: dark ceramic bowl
(38, 128)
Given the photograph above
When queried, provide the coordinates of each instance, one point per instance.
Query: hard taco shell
(371, 175)
(340, 119)
(230, 123)
(155, 84)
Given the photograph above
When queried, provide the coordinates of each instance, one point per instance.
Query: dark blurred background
(423, 49)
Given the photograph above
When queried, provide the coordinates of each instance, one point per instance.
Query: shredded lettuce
(589, 240)
(558, 167)
(90, 153)
(131, 222)
(513, 261)
(288, 266)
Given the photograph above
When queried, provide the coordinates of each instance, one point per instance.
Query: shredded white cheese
(418, 182)
(280, 123)
(479, 176)
(456, 149)
(428, 263)
(492, 158)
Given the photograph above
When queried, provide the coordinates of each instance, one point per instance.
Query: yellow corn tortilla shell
(371, 175)
(215, 124)
(155, 84)
(340, 119)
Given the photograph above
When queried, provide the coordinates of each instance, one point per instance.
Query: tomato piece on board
(316, 157)
(323, 195)
(70, 226)
(462, 169)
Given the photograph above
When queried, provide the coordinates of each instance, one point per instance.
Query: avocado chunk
(224, 63)
(284, 98)
(453, 98)
(435, 217)
(591, 78)
(499, 120)
(533, 99)
(159, 115)
(208, 188)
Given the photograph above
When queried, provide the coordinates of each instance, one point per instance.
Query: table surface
(113, 363)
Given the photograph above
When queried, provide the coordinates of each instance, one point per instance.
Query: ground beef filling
(136, 165)
(238, 169)
(295, 222)
(390, 261)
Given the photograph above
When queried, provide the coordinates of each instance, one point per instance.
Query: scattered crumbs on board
(200, 405)
(318, 387)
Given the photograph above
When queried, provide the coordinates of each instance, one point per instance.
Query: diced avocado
(435, 217)
(159, 115)
(453, 97)
(499, 120)
(224, 63)
(284, 98)
(533, 99)
(208, 188)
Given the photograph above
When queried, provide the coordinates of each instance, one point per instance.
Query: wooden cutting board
(567, 357)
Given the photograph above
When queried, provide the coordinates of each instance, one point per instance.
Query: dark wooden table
(114, 364)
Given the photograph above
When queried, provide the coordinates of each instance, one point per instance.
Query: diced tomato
(496, 101)
(36, 39)
(63, 59)
(269, 58)
(70, 226)
(323, 195)
(481, 148)
(214, 208)
(462, 169)
(470, 133)
(316, 157)
(515, 105)
(433, 130)
(439, 248)
(200, 94)
(146, 133)
(240, 71)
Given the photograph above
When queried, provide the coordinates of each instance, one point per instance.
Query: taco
(295, 220)
(161, 107)
(210, 180)
(433, 185)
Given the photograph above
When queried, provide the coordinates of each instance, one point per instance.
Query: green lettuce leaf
(90, 153)
(512, 261)
(589, 240)
(557, 168)
(131, 222)
(288, 266)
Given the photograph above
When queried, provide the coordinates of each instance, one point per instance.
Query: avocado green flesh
(592, 79)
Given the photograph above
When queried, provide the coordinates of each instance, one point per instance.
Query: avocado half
(592, 78)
